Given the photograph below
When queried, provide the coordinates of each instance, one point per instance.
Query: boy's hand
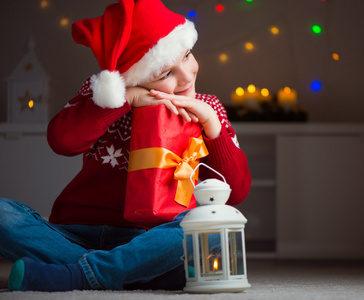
(139, 97)
(194, 110)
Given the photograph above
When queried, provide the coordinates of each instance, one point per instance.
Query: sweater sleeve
(81, 123)
(226, 157)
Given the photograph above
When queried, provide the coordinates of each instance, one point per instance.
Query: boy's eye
(170, 71)
(187, 55)
(166, 76)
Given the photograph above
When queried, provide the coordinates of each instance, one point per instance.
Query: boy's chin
(192, 94)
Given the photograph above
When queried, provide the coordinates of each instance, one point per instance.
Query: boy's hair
(133, 41)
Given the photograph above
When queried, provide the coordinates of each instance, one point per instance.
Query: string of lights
(249, 45)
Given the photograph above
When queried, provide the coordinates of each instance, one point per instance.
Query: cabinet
(307, 194)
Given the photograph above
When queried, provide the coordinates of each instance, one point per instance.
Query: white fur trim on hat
(164, 53)
(108, 89)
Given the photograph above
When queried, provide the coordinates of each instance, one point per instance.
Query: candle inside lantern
(213, 265)
(287, 98)
(216, 265)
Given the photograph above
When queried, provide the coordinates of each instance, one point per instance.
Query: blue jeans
(112, 257)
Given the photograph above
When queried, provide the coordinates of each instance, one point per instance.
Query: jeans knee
(12, 214)
(6, 216)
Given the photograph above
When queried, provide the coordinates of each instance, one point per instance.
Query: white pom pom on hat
(108, 89)
(133, 41)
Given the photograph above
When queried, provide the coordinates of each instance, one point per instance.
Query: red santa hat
(133, 41)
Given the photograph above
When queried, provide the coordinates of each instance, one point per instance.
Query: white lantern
(28, 90)
(214, 243)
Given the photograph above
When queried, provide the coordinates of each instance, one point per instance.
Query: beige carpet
(301, 280)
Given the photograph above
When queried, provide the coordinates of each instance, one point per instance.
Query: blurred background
(271, 44)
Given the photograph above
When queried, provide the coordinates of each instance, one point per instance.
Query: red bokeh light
(219, 7)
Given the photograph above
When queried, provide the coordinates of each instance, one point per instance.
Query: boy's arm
(229, 160)
(81, 123)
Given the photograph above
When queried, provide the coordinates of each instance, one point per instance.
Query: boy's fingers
(169, 105)
(182, 112)
(193, 117)
(156, 93)
(182, 106)
(162, 95)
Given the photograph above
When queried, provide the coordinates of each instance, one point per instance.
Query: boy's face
(178, 79)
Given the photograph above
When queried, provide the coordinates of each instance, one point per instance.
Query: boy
(144, 52)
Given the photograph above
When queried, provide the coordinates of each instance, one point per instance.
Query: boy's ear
(108, 89)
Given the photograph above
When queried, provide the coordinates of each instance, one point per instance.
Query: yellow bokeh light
(251, 88)
(31, 103)
(287, 90)
(249, 46)
(223, 57)
(64, 22)
(335, 56)
(44, 3)
(274, 30)
(239, 91)
(265, 92)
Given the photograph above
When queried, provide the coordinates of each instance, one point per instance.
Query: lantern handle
(200, 164)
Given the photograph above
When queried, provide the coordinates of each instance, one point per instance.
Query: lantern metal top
(211, 191)
(213, 215)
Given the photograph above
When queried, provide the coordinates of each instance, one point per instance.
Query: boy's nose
(185, 76)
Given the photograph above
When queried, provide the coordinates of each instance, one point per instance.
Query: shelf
(249, 128)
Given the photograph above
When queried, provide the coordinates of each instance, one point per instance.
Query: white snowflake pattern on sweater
(112, 157)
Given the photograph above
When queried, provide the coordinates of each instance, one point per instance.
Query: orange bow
(154, 157)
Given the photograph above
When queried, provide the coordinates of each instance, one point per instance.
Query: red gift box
(164, 150)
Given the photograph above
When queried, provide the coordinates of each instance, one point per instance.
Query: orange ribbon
(154, 157)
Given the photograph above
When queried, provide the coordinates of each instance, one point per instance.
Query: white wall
(32, 173)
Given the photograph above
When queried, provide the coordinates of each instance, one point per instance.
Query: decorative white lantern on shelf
(214, 243)
(28, 88)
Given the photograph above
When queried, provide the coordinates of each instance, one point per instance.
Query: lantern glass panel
(210, 255)
(236, 253)
(190, 257)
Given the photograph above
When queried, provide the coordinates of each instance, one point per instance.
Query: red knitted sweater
(96, 195)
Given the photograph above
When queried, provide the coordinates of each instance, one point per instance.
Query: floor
(270, 279)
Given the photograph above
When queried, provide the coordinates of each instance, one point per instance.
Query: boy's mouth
(186, 91)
